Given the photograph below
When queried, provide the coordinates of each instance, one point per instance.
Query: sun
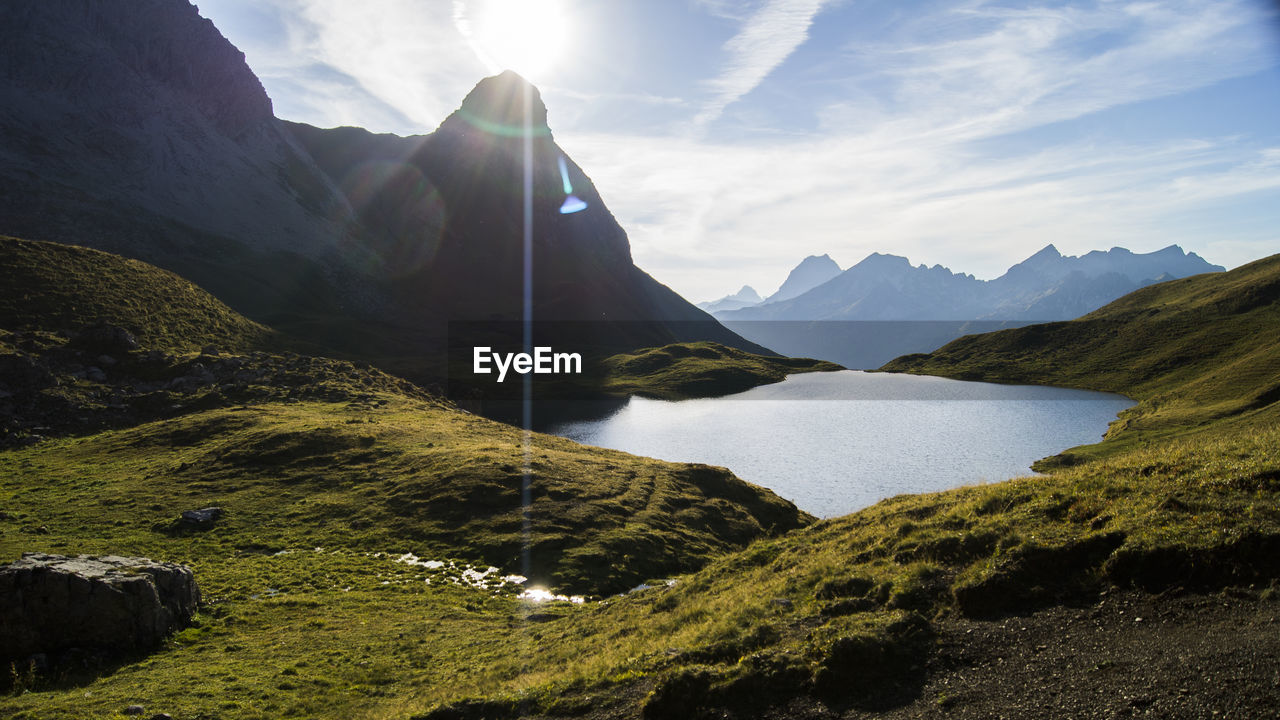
(527, 36)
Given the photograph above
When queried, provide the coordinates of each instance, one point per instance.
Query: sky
(732, 139)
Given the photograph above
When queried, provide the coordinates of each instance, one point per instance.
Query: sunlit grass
(699, 369)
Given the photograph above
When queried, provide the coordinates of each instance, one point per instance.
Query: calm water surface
(836, 442)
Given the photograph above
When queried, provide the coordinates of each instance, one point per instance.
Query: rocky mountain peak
(497, 104)
(810, 273)
(1049, 251)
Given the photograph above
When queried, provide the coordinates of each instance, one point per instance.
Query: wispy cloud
(980, 70)
(767, 38)
(398, 65)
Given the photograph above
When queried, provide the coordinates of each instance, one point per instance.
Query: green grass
(699, 369)
(393, 474)
(1200, 353)
(842, 610)
(54, 287)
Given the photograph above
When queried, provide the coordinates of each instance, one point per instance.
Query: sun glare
(527, 36)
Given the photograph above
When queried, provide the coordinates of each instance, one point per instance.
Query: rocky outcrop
(53, 603)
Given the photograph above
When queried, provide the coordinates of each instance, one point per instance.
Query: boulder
(111, 604)
(201, 519)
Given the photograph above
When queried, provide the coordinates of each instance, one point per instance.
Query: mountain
(460, 188)
(745, 297)
(142, 131)
(361, 515)
(1046, 286)
(884, 306)
(1050, 286)
(810, 273)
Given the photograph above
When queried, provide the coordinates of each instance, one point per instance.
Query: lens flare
(527, 36)
(572, 203)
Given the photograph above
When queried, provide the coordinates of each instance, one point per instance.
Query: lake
(836, 442)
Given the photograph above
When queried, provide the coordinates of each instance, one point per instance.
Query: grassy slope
(841, 612)
(52, 287)
(1200, 354)
(699, 369)
(386, 473)
(304, 453)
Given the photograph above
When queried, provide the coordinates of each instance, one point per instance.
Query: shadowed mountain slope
(142, 131)
(448, 209)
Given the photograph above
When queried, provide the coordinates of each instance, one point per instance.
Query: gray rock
(52, 603)
(201, 519)
(134, 710)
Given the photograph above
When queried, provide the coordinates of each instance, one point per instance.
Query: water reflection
(837, 442)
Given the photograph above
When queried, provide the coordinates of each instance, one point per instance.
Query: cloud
(398, 65)
(767, 38)
(981, 70)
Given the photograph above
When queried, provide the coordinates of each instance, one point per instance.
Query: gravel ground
(1130, 655)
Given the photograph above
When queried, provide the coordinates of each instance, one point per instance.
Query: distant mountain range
(1046, 286)
(746, 297)
(884, 306)
(139, 129)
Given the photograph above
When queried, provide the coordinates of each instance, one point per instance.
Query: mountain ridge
(1046, 286)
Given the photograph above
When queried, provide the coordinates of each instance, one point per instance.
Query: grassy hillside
(384, 472)
(55, 287)
(340, 484)
(310, 614)
(1200, 354)
(298, 444)
(699, 369)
